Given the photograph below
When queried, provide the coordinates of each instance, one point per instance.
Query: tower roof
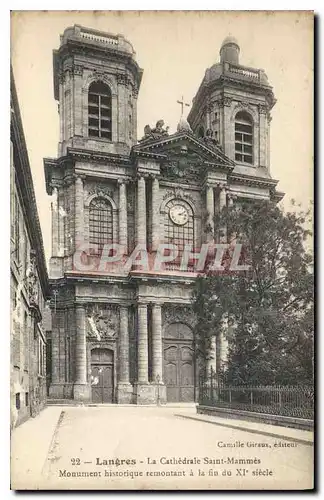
(230, 40)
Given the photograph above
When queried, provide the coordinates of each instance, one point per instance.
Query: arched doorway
(102, 375)
(178, 362)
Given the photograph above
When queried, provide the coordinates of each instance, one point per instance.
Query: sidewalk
(285, 433)
(27, 462)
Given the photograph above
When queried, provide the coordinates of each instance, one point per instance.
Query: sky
(174, 49)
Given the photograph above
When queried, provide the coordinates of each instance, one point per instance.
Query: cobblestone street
(152, 448)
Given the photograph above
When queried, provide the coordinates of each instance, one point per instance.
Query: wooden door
(102, 376)
(179, 371)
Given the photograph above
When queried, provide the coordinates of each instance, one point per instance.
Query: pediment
(183, 151)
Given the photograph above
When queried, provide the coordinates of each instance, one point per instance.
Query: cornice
(95, 156)
(252, 181)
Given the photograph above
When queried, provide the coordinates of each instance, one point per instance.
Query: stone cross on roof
(182, 104)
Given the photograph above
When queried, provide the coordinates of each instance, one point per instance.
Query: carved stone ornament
(102, 321)
(31, 280)
(183, 165)
(178, 314)
(154, 133)
(123, 79)
(210, 140)
(77, 70)
(227, 101)
(101, 191)
(262, 109)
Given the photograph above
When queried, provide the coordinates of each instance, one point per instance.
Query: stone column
(55, 223)
(211, 364)
(124, 388)
(145, 392)
(142, 346)
(223, 350)
(79, 211)
(210, 212)
(222, 204)
(123, 345)
(81, 388)
(141, 212)
(155, 214)
(156, 343)
(122, 227)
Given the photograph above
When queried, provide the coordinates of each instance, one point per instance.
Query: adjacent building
(29, 286)
(123, 333)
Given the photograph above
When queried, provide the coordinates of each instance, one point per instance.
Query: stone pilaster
(142, 367)
(81, 387)
(77, 97)
(156, 343)
(61, 220)
(79, 211)
(122, 226)
(155, 214)
(210, 212)
(222, 204)
(56, 389)
(141, 212)
(55, 223)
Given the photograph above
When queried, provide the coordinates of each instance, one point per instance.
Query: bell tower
(96, 84)
(232, 106)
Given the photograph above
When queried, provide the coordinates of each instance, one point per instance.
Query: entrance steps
(73, 402)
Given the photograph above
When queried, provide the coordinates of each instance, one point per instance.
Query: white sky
(174, 49)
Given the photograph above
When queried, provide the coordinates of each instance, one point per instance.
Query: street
(157, 448)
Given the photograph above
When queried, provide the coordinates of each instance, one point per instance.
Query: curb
(252, 431)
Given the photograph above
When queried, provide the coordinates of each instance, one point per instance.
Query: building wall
(28, 284)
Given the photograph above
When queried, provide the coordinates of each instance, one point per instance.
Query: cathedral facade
(122, 332)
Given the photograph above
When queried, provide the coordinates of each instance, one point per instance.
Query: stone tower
(233, 103)
(96, 83)
(126, 333)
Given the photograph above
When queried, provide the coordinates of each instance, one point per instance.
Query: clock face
(178, 215)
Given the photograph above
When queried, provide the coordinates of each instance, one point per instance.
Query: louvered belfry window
(244, 138)
(99, 111)
(100, 225)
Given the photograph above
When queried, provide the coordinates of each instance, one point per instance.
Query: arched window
(178, 224)
(99, 110)
(243, 137)
(100, 225)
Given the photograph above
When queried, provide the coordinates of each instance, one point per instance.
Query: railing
(250, 73)
(292, 401)
(101, 39)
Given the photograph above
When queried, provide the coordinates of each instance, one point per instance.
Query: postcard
(162, 308)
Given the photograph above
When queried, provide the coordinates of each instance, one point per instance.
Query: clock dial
(179, 215)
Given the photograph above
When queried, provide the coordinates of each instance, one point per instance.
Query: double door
(102, 376)
(179, 371)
